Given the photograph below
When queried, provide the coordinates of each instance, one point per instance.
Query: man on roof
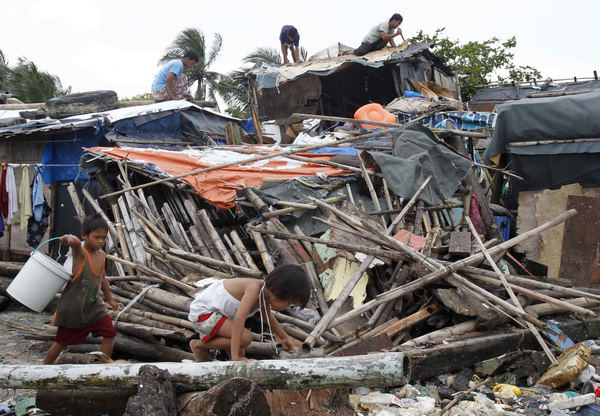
(290, 39)
(171, 83)
(379, 36)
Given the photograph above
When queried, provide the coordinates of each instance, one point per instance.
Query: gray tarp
(552, 118)
(416, 155)
(549, 166)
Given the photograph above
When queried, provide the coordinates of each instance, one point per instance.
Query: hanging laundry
(1, 226)
(37, 229)
(25, 198)
(3, 193)
(37, 194)
(13, 196)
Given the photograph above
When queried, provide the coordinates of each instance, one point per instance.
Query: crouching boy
(220, 311)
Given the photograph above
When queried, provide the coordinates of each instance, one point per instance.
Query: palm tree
(4, 72)
(193, 39)
(30, 85)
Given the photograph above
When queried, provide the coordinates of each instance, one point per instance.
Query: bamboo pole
(76, 202)
(345, 292)
(409, 321)
(317, 288)
(214, 236)
(511, 294)
(524, 281)
(242, 162)
(236, 253)
(186, 288)
(566, 305)
(387, 369)
(218, 263)
(262, 250)
(372, 192)
(242, 248)
(458, 265)
(333, 243)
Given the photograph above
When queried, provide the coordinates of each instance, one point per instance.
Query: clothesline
(25, 165)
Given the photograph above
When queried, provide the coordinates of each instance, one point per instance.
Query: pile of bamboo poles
(163, 247)
(165, 244)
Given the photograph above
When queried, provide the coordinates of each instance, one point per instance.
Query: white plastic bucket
(40, 279)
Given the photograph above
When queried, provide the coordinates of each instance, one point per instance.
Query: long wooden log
(375, 370)
(458, 265)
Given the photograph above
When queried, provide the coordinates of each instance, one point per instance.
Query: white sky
(107, 44)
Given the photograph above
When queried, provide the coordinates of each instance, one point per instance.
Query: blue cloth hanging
(37, 194)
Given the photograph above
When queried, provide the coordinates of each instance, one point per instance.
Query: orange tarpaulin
(218, 186)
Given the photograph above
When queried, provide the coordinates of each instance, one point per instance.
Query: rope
(261, 303)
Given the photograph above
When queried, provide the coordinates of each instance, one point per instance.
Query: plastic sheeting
(219, 186)
(552, 165)
(460, 120)
(416, 155)
(66, 149)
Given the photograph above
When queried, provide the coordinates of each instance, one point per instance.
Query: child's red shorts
(103, 327)
(208, 325)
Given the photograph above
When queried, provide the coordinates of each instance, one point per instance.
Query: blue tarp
(166, 126)
(462, 120)
(65, 150)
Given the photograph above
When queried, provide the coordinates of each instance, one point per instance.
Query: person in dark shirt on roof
(379, 36)
(290, 39)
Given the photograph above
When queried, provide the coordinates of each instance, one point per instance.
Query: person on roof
(379, 36)
(290, 39)
(171, 83)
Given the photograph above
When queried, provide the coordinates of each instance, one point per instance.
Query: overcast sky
(107, 44)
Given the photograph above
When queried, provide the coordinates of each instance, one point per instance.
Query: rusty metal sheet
(375, 344)
(580, 257)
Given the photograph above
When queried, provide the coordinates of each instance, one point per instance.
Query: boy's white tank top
(215, 298)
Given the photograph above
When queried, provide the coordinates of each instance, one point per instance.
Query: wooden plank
(580, 259)
(343, 270)
(526, 220)
(460, 242)
(550, 203)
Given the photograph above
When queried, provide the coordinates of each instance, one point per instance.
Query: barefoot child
(79, 310)
(220, 311)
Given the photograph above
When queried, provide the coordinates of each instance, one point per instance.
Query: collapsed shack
(385, 237)
(335, 84)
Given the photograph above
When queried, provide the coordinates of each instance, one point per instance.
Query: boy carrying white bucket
(79, 310)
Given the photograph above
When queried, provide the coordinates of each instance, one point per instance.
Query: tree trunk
(389, 369)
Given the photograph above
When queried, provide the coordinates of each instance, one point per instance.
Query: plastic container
(374, 112)
(40, 279)
(503, 224)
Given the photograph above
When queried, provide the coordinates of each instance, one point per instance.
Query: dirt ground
(14, 348)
